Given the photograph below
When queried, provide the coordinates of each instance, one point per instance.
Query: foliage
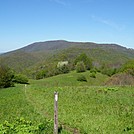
(121, 79)
(41, 74)
(125, 75)
(19, 78)
(83, 58)
(108, 70)
(128, 67)
(63, 69)
(20, 60)
(107, 89)
(93, 75)
(49, 52)
(52, 72)
(93, 70)
(22, 126)
(6, 77)
(81, 78)
(62, 63)
(80, 67)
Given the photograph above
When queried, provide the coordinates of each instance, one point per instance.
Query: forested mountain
(54, 51)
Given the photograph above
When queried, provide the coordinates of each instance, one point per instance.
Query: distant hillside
(18, 60)
(50, 51)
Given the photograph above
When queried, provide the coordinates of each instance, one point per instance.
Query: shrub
(41, 74)
(109, 71)
(63, 69)
(80, 67)
(81, 78)
(52, 72)
(6, 77)
(121, 79)
(128, 67)
(87, 61)
(93, 75)
(93, 70)
(22, 79)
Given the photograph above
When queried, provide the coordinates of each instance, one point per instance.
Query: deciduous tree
(6, 77)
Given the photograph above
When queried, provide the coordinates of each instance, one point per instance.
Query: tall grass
(13, 104)
(88, 109)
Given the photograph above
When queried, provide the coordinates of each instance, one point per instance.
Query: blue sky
(102, 21)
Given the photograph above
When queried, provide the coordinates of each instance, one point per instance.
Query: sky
(23, 22)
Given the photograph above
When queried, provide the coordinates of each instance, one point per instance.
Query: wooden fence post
(55, 112)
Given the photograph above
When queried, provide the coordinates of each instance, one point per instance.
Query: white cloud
(61, 2)
(108, 22)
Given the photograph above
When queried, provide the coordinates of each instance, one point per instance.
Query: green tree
(107, 70)
(128, 67)
(87, 61)
(81, 78)
(6, 77)
(80, 67)
(19, 78)
(64, 69)
(92, 75)
(41, 74)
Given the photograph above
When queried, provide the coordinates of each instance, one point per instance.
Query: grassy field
(83, 106)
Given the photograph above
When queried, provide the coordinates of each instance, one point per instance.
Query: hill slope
(89, 109)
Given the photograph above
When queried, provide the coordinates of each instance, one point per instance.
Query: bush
(109, 71)
(22, 79)
(81, 78)
(80, 67)
(93, 75)
(93, 70)
(86, 60)
(63, 69)
(6, 77)
(41, 74)
(121, 79)
(128, 67)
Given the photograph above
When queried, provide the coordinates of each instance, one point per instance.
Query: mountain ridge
(56, 44)
(55, 50)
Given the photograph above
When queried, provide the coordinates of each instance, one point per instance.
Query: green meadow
(83, 107)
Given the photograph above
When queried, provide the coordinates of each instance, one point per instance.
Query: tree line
(81, 63)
